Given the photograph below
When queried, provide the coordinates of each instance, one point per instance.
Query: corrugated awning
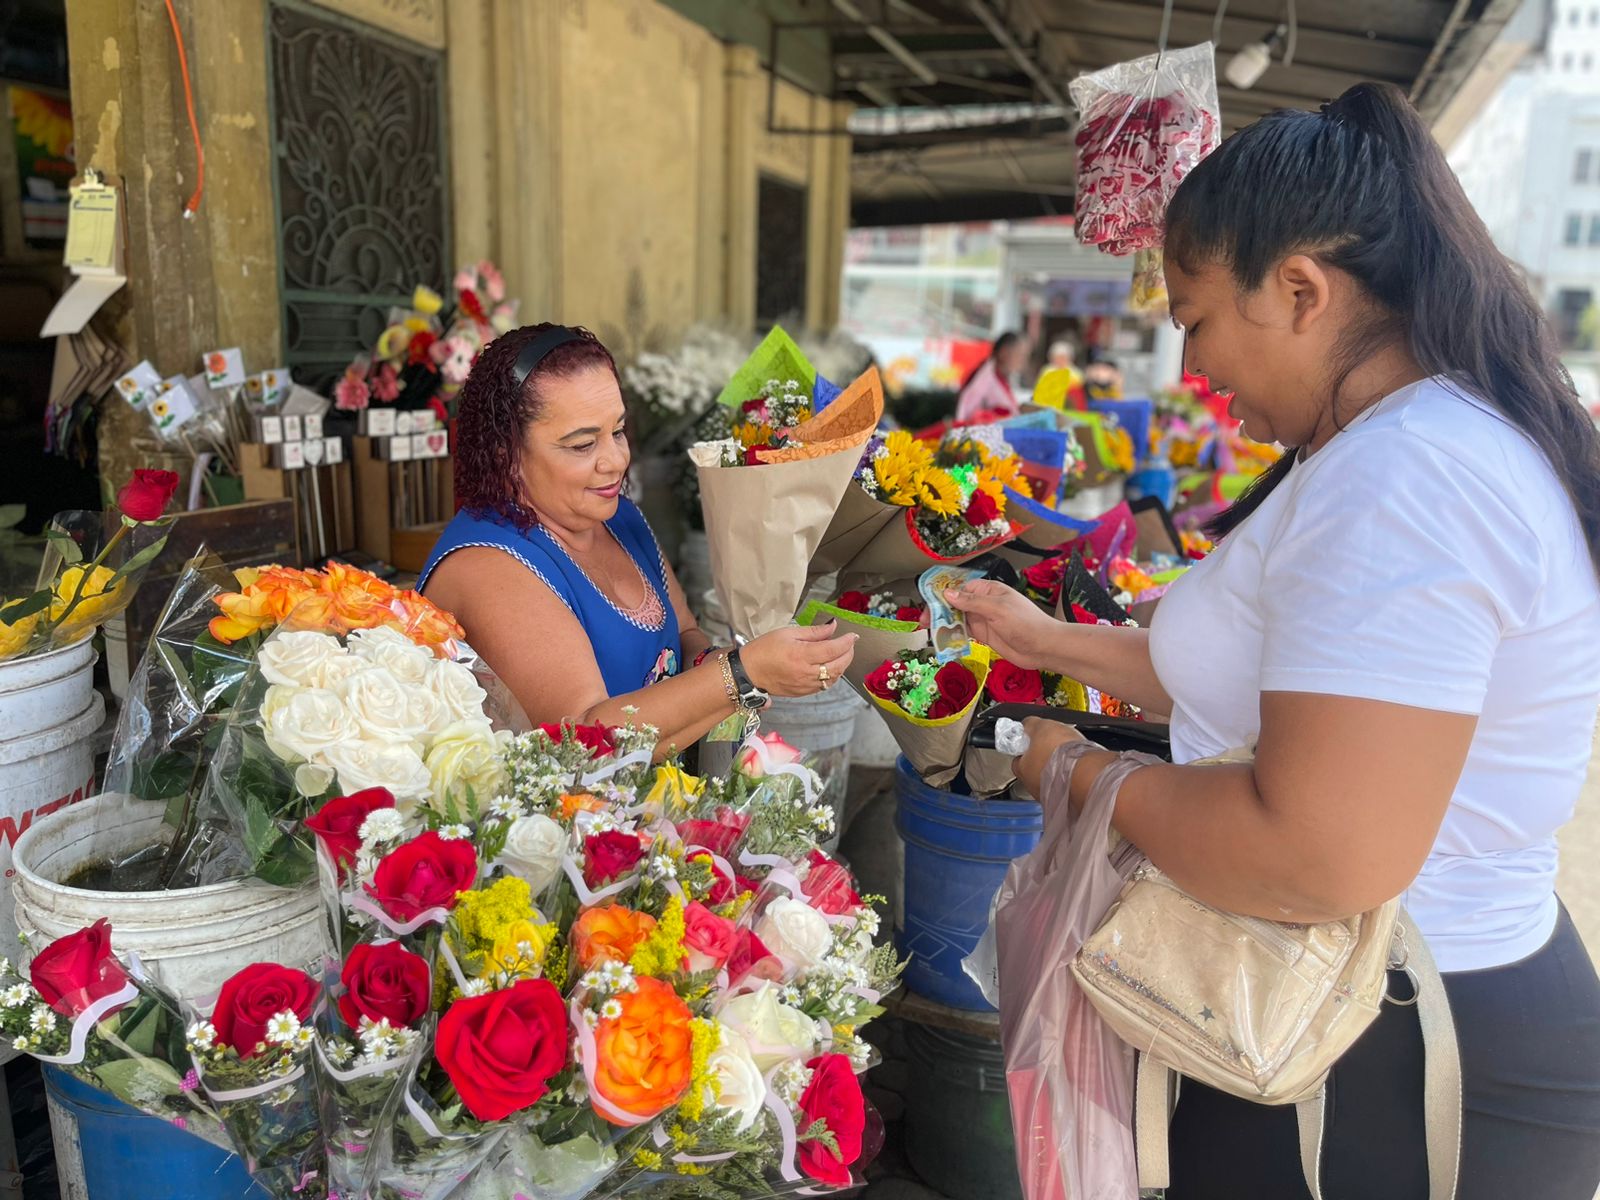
(964, 111)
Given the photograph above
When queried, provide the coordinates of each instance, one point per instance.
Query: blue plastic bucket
(957, 851)
(118, 1153)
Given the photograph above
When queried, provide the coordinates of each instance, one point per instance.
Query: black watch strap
(751, 698)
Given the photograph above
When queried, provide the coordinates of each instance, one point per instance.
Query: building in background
(1530, 163)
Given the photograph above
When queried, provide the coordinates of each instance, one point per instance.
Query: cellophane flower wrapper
(1144, 126)
(74, 595)
(130, 1044)
(327, 711)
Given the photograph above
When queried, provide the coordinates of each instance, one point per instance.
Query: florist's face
(576, 452)
(1270, 347)
(1009, 360)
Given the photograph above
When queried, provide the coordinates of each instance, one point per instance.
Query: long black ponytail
(1364, 187)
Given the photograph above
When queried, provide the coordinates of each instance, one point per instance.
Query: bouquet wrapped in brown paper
(770, 494)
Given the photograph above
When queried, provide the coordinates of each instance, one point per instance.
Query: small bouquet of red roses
(928, 705)
(81, 1010)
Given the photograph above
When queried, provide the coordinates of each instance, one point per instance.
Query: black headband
(534, 352)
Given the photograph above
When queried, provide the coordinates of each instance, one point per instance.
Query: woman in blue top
(555, 575)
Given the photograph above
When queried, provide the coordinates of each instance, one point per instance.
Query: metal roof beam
(998, 30)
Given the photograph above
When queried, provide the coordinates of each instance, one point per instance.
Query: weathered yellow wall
(605, 152)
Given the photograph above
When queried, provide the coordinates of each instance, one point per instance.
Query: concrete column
(746, 107)
(525, 111)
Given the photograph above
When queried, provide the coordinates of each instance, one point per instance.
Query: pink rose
(778, 754)
(709, 939)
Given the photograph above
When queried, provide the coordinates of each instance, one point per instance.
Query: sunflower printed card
(140, 385)
(173, 406)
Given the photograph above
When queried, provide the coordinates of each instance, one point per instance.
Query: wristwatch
(751, 698)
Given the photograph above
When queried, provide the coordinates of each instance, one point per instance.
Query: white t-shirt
(1425, 556)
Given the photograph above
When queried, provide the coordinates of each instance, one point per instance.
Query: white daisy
(455, 833)
(42, 1019)
(611, 1009)
(202, 1035)
(283, 1028)
(16, 997)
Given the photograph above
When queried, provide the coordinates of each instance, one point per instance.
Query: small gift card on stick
(173, 405)
(140, 385)
(269, 387)
(225, 368)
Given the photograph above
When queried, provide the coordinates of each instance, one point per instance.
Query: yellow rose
(14, 638)
(100, 599)
(426, 301)
(672, 790)
(522, 946)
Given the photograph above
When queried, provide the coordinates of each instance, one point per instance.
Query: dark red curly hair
(493, 415)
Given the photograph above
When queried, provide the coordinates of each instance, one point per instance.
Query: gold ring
(822, 674)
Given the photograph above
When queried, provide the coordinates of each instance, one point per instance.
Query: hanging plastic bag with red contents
(1145, 124)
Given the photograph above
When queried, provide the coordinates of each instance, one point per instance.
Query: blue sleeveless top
(630, 654)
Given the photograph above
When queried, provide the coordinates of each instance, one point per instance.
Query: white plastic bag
(1070, 1078)
(1144, 125)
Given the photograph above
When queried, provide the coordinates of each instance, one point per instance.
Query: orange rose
(643, 1058)
(425, 623)
(572, 805)
(267, 596)
(609, 934)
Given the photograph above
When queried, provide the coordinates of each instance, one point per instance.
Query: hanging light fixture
(1247, 66)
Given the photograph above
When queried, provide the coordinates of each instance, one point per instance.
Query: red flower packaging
(1145, 124)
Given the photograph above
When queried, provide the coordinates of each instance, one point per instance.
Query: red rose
(908, 612)
(472, 305)
(878, 682)
(385, 980)
(337, 823)
(957, 685)
(752, 454)
(828, 886)
(981, 509)
(751, 957)
(421, 344)
(709, 940)
(1083, 616)
(424, 873)
(596, 737)
(74, 971)
(856, 602)
(719, 836)
(833, 1095)
(1045, 576)
(501, 1049)
(254, 996)
(1011, 684)
(145, 496)
(610, 855)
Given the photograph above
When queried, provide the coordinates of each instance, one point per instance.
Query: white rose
(457, 690)
(312, 779)
(388, 710)
(466, 755)
(298, 659)
(393, 765)
(794, 930)
(742, 1089)
(302, 724)
(533, 851)
(394, 651)
(776, 1032)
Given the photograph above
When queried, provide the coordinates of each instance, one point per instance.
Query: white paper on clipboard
(95, 253)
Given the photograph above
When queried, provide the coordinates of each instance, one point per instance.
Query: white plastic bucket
(190, 940)
(45, 690)
(873, 745)
(822, 725)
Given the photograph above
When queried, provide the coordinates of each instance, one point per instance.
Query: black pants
(1530, 1066)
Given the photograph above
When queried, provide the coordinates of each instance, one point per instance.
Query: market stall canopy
(964, 113)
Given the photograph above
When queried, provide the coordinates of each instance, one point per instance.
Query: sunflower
(941, 495)
(44, 120)
(999, 472)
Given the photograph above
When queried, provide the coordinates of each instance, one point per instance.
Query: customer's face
(576, 451)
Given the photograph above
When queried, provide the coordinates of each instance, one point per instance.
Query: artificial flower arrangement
(82, 587)
(270, 689)
(425, 353)
(600, 976)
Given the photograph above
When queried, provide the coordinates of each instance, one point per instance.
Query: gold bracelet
(727, 681)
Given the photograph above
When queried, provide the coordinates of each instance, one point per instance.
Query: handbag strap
(1154, 1094)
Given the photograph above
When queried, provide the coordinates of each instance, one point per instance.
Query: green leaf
(25, 607)
(142, 559)
(170, 774)
(12, 514)
(66, 546)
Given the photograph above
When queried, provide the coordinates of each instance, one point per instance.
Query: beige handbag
(1258, 1009)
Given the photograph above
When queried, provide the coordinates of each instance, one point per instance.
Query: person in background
(988, 388)
(1102, 378)
(1060, 384)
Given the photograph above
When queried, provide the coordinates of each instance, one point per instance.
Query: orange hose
(193, 205)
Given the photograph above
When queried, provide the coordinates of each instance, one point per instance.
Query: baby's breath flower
(382, 825)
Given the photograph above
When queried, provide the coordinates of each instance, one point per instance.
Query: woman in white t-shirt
(1403, 618)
